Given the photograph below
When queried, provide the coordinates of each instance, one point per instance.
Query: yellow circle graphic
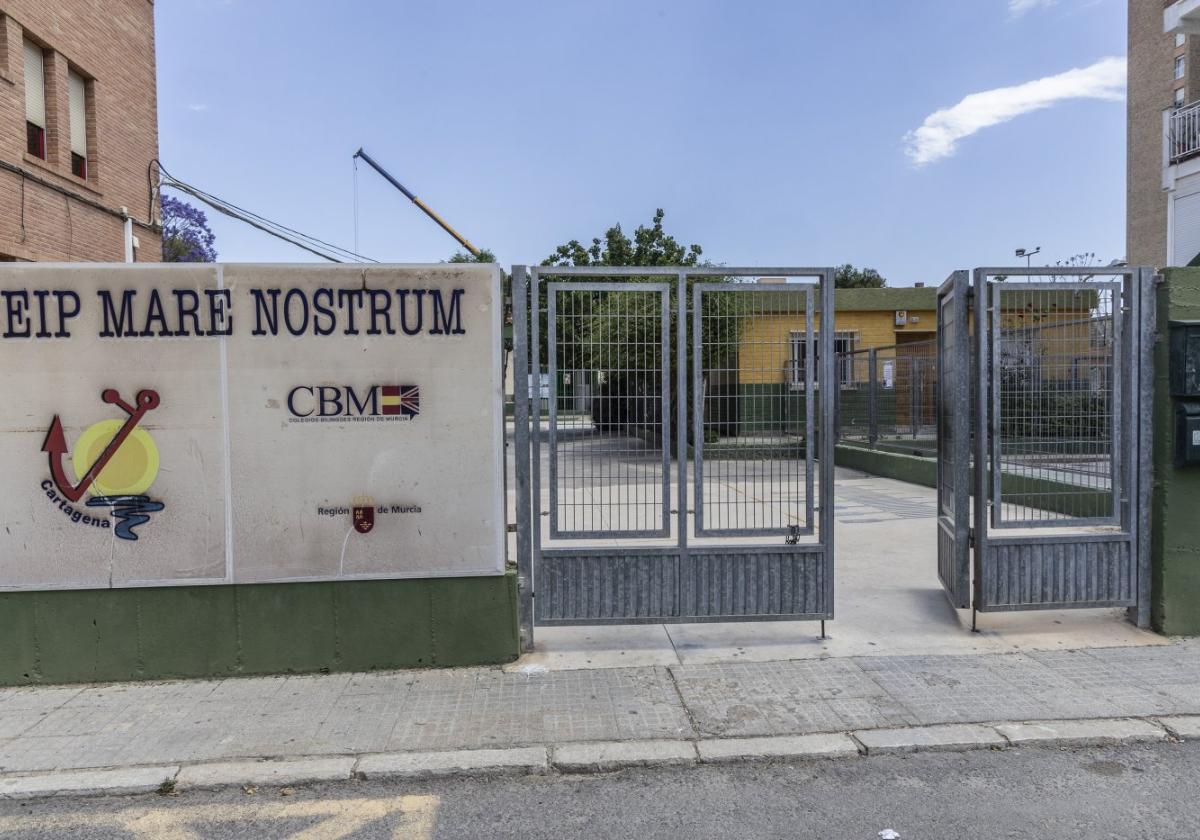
(132, 468)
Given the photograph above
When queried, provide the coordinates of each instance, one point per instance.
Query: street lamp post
(1028, 255)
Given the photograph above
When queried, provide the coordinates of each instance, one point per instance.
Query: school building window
(843, 343)
(78, 102)
(35, 100)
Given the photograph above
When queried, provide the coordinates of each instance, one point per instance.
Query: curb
(599, 756)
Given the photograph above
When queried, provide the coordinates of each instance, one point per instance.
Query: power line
(319, 247)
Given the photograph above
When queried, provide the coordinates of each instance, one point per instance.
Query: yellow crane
(425, 208)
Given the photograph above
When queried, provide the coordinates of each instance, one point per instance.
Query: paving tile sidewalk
(61, 728)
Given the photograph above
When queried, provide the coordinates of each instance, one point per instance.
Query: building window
(843, 345)
(79, 149)
(35, 100)
(1180, 39)
(1180, 66)
(1180, 97)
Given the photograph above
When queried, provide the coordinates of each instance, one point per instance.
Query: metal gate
(954, 439)
(626, 378)
(1056, 366)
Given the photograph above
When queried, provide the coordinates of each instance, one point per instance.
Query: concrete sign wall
(248, 423)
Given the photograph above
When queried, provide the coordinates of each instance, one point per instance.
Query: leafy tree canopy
(485, 256)
(849, 277)
(649, 246)
(186, 236)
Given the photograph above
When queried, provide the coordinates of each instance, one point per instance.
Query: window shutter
(35, 85)
(1187, 229)
(78, 114)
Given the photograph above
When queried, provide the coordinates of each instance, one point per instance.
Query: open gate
(1043, 484)
(626, 379)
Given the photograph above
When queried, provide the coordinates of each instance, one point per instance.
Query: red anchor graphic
(55, 444)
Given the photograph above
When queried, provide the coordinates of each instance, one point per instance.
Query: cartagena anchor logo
(116, 459)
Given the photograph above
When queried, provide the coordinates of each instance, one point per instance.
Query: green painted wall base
(1019, 490)
(1175, 521)
(105, 635)
(895, 465)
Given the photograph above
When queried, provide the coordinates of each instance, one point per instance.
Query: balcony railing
(1183, 136)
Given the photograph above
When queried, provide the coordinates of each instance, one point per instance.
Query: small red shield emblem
(364, 518)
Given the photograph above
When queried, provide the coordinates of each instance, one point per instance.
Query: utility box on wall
(1185, 388)
(1185, 359)
(1187, 433)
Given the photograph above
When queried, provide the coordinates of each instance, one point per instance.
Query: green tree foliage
(849, 277)
(485, 256)
(649, 246)
(615, 338)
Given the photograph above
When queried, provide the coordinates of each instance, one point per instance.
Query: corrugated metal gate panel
(1065, 572)
(628, 588)
(788, 583)
(597, 588)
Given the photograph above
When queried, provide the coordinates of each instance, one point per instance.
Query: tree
(649, 246)
(485, 256)
(186, 236)
(849, 277)
(615, 338)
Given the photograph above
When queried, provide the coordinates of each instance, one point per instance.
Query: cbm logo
(315, 403)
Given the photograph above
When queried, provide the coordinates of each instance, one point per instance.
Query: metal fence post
(872, 397)
(1143, 409)
(916, 392)
(520, 304)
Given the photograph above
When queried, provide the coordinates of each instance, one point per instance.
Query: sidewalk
(341, 724)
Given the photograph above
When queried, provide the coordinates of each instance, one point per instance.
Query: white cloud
(196, 106)
(1017, 8)
(938, 136)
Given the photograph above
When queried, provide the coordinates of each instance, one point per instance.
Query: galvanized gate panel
(954, 439)
(610, 551)
(753, 409)
(611, 476)
(1058, 493)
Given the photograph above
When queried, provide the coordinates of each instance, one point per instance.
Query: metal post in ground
(521, 381)
(872, 397)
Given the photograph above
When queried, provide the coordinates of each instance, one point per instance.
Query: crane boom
(425, 208)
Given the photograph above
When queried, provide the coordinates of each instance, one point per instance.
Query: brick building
(1163, 207)
(78, 130)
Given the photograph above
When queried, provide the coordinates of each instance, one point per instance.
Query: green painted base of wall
(895, 465)
(1053, 496)
(1175, 521)
(106, 635)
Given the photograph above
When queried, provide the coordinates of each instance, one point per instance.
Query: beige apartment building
(78, 131)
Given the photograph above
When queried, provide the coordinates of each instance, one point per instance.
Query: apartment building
(1163, 172)
(78, 131)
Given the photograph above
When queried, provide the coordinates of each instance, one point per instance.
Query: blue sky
(770, 132)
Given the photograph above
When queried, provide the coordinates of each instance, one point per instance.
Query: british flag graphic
(401, 400)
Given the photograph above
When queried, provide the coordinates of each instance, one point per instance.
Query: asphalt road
(1128, 792)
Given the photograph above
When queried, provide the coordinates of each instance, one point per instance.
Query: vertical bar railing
(1185, 132)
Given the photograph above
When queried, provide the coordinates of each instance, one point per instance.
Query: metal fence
(610, 445)
(648, 374)
(755, 377)
(1056, 402)
(889, 394)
